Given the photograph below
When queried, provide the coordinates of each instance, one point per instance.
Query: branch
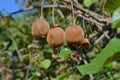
(79, 12)
(31, 8)
(91, 13)
(28, 70)
(18, 53)
(81, 15)
(105, 34)
(96, 18)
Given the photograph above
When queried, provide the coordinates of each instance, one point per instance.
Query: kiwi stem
(42, 4)
(73, 17)
(53, 12)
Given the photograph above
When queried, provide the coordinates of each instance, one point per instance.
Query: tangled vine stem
(53, 13)
(42, 5)
(73, 17)
(79, 12)
(91, 13)
(17, 50)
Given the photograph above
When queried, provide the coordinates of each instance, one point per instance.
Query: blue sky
(8, 6)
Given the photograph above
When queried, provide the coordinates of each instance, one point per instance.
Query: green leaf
(64, 53)
(88, 3)
(88, 69)
(31, 77)
(36, 74)
(112, 50)
(111, 5)
(114, 57)
(46, 63)
(116, 18)
(63, 76)
(12, 47)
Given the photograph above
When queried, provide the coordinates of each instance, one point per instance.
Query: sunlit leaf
(36, 74)
(64, 53)
(63, 76)
(114, 57)
(116, 18)
(112, 50)
(13, 47)
(88, 3)
(111, 5)
(46, 63)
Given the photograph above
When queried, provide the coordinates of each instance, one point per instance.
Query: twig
(73, 17)
(83, 21)
(21, 10)
(42, 4)
(91, 13)
(27, 72)
(59, 11)
(29, 66)
(106, 35)
(79, 14)
(32, 60)
(53, 12)
(90, 20)
(31, 8)
(101, 37)
(61, 14)
(96, 16)
(70, 77)
(18, 53)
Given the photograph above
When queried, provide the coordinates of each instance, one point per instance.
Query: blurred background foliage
(22, 59)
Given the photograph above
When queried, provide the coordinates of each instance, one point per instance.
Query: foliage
(116, 18)
(22, 58)
(112, 5)
(107, 55)
(88, 3)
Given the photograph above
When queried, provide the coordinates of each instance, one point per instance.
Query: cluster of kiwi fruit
(56, 36)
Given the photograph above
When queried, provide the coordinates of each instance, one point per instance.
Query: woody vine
(60, 40)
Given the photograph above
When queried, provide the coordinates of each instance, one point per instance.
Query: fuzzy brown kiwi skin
(56, 38)
(40, 29)
(85, 44)
(74, 36)
(74, 33)
(85, 41)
